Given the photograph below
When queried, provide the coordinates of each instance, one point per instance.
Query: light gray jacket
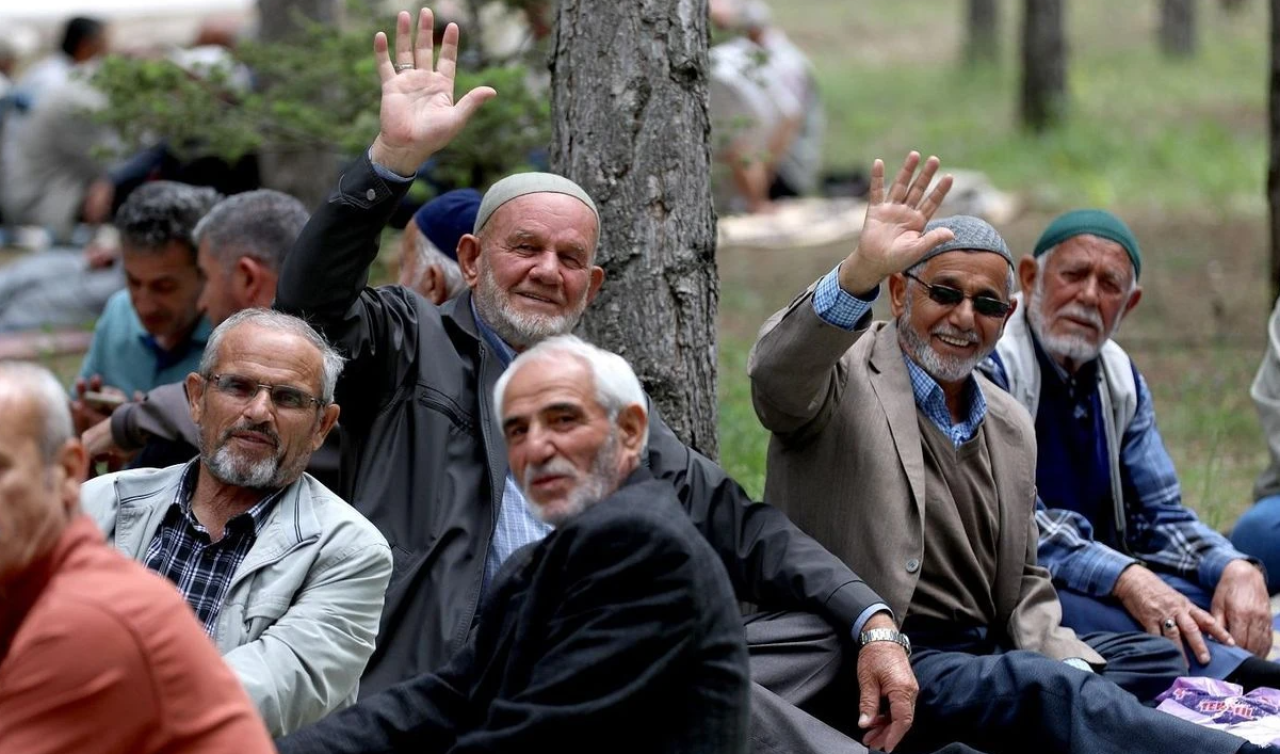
(302, 611)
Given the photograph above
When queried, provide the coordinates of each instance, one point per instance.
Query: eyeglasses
(244, 389)
(945, 295)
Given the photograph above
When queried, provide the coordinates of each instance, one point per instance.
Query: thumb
(868, 699)
(473, 99)
(928, 241)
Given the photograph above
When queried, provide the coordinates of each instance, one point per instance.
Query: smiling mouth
(954, 342)
(539, 299)
(254, 439)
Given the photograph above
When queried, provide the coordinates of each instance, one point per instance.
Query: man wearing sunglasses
(1124, 552)
(900, 458)
(286, 577)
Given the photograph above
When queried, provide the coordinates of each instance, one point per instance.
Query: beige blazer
(846, 464)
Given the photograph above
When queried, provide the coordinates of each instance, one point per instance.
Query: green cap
(1092, 222)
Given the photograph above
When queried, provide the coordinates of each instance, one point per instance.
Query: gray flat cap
(971, 234)
(522, 184)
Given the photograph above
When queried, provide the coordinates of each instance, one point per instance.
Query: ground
(1177, 149)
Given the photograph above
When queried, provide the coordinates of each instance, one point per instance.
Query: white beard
(598, 483)
(517, 328)
(941, 368)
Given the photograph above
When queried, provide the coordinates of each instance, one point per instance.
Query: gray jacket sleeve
(163, 415)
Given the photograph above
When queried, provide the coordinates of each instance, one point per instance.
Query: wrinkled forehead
(549, 379)
(252, 349)
(968, 269)
(546, 214)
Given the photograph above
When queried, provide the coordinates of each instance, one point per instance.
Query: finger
(1175, 636)
(1194, 639)
(902, 710)
(931, 240)
(876, 738)
(424, 48)
(868, 700)
(473, 100)
(95, 382)
(448, 64)
(381, 58)
(404, 42)
(899, 188)
(935, 198)
(1212, 626)
(875, 193)
(922, 181)
(81, 386)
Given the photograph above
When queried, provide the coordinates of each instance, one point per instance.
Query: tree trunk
(983, 23)
(1178, 28)
(307, 173)
(630, 124)
(1044, 65)
(1273, 170)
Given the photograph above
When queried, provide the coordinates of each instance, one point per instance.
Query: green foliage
(318, 90)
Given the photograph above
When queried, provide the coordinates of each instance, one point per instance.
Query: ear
(597, 278)
(897, 294)
(632, 422)
(327, 419)
(1133, 301)
(70, 469)
(433, 285)
(468, 259)
(195, 394)
(1028, 270)
(248, 278)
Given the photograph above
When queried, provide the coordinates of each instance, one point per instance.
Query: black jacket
(424, 460)
(617, 632)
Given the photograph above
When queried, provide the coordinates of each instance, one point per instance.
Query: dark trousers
(1017, 701)
(1086, 614)
(802, 676)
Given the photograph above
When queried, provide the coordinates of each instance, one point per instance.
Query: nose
(1088, 292)
(546, 269)
(259, 408)
(962, 315)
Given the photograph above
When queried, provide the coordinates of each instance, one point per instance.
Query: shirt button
(371, 194)
(913, 565)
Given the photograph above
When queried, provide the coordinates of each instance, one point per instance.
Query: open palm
(893, 237)
(419, 116)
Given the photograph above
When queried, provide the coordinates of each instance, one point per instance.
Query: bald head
(41, 466)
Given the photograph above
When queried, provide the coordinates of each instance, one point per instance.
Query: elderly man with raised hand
(1124, 552)
(96, 654)
(422, 451)
(619, 629)
(429, 246)
(933, 470)
(287, 578)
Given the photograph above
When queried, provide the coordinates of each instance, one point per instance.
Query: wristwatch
(885, 634)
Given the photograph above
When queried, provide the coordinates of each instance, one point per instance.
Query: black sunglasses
(244, 389)
(945, 295)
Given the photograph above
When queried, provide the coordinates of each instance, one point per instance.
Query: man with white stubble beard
(286, 577)
(1124, 551)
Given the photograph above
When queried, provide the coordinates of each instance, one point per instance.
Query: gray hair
(428, 254)
(274, 320)
(260, 224)
(616, 384)
(158, 213)
(50, 402)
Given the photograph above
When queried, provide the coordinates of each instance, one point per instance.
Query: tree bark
(1178, 28)
(630, 125)
(306, 173)
(1044, 65)
(1273, 170)
(983, 23)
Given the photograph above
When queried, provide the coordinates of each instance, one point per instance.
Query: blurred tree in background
(314, 92)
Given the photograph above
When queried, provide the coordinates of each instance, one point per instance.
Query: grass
(1177, 148)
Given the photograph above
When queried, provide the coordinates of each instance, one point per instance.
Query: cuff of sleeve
(879, 607)
(836, 306)
(386, 173)
(1096, 570)
(1215, 562)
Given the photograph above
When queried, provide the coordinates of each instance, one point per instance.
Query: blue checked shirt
(516, 525)
(1161, 531)
(182, 552)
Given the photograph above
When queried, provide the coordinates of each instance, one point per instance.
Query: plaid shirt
(202, 570)
(1161, 531)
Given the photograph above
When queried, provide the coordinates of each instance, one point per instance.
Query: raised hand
(419, 116)
(892, 238)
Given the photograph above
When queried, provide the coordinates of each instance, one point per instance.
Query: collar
(257, 515)
(506, 354)
(932, 400)
(21, 592)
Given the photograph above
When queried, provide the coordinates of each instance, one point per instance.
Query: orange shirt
(99, 656)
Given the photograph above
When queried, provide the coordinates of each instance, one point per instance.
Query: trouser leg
(1006, 702)
(1257, 533)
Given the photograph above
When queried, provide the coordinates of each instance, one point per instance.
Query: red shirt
(99, 656)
